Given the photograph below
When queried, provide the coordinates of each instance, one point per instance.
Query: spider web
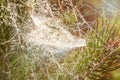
(50, 33)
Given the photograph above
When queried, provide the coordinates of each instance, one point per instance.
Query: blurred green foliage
(116, 74)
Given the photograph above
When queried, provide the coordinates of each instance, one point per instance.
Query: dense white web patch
(51, 34)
